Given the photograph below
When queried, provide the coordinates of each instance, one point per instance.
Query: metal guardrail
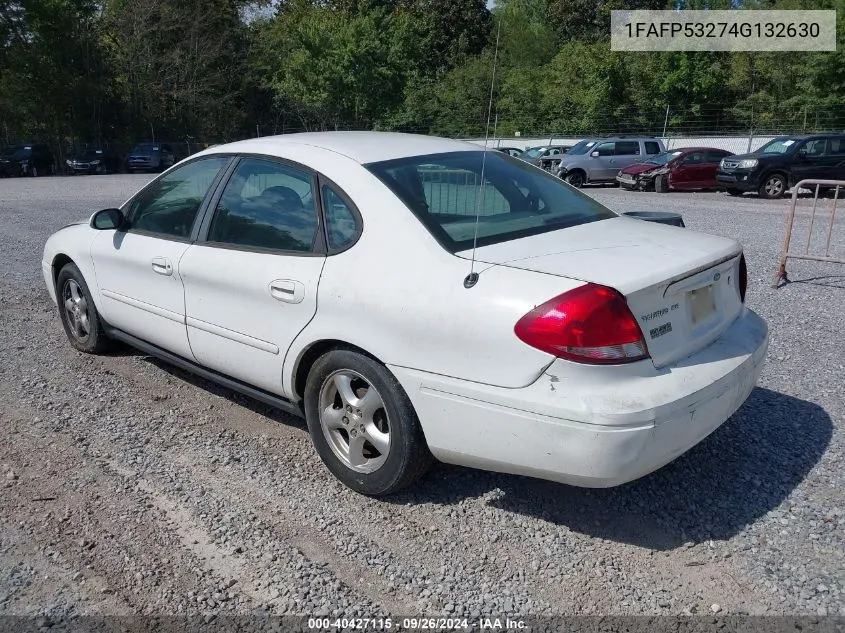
(786, 254)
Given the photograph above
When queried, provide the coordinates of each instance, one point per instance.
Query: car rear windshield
(517, 200)
(146, 148)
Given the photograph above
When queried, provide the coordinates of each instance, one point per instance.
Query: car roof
(697, 149)
(362, 147)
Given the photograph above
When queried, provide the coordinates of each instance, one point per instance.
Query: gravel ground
(130, 487)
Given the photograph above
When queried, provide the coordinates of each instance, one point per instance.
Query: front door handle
(287, 290)
(162, 266)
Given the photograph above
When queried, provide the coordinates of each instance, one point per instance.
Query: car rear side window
(837, 146)
(627, 148)
(341, 225)
(169, 205)
(266, 205)
(652, 147)
(444, 191)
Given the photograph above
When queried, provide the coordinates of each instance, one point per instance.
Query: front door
(251, 281)
(137, 267)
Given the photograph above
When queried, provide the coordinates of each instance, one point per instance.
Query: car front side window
(266, 205)
(605, 149)
(169, 205)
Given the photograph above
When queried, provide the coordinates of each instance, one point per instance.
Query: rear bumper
(591, 426)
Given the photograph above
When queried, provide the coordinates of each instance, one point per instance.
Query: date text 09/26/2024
(417, 624)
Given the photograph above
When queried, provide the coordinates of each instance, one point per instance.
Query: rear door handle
(162, 266)
(287, 290)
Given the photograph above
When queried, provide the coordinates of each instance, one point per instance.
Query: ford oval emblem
(717, 277)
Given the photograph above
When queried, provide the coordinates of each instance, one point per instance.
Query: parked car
(150, 157)
(94, 161)
(541, 156)
(783, 162)
(280, 267)
(603, 159)
(512, 151)
(7, 166)
(27, 160)
(678, 169)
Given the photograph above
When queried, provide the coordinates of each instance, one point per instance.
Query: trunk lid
(682, 286)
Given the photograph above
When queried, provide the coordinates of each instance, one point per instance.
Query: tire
(661, 185)
(78, 314)
(576, 179)
(390, 422)
(734, 192)
(773, 187)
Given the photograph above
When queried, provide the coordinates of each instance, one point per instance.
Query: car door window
(695, 158)
(605, 149)
(714, 157)
(341, 225)
(627, 148)
(266, 205)
(814, 147)
(652, 147)
(169, 205)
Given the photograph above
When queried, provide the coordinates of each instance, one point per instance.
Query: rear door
(626, 153)
(712, 159)
(251, 279)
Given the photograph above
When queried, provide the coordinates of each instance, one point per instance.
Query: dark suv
(27, 160)
(150, 157)
(783, 162)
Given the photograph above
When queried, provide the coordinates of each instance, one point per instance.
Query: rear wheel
(773, 187)
(363, 424)
(575, 178)
(79, 316)
(661, 184)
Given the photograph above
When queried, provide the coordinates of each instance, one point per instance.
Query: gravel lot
(130, 487)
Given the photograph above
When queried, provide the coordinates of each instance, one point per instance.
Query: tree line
(83, 72)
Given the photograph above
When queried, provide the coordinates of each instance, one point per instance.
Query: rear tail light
(591, 324)
(743, 278)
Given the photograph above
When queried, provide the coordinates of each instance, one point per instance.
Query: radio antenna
(472, 279)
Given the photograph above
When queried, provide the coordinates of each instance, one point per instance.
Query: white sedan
(418, 298)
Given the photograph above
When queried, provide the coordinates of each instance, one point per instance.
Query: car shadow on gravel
(741, 472)
(276, 415)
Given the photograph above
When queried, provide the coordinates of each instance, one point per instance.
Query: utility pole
(666, 121)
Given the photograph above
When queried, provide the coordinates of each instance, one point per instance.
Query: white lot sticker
(787, 143)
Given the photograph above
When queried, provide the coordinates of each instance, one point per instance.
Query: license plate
(702, 303)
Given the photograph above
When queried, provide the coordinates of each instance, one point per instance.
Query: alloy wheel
(354, 421)
(76, 310)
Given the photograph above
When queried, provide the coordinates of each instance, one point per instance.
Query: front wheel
(661, 184)
(575, 178)
(79, 316)
(363, 424)
(773, 187)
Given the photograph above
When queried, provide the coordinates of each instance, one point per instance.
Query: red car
(678, 169)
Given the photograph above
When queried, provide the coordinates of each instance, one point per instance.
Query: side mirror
(107, 219)
(595, 154)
